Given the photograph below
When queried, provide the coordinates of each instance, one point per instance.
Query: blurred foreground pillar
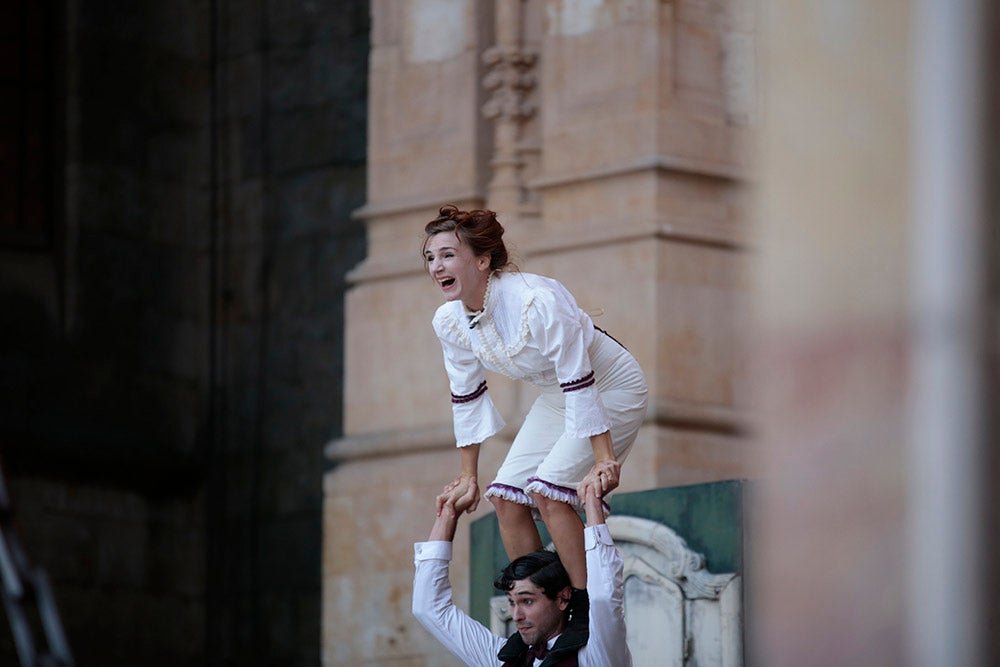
(871, 336)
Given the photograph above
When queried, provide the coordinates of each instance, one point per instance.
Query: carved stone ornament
(511, 78)
(675, 560)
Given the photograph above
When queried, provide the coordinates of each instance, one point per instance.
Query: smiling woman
(529, 327)
(464, 239)
(461, 274)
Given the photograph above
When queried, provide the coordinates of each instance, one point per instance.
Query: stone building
(223, 411)
(611, 138)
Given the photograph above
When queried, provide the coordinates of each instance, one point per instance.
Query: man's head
(538, 592)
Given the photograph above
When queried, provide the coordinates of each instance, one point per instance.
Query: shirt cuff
(477, 421)
(594, 535)
(432, 551)
(585, 413)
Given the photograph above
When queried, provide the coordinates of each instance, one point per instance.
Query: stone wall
(291, 153)
(106, 379)
(610, 138)
(175, 360)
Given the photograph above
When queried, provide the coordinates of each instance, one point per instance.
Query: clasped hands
(460, 495)
(603, 477)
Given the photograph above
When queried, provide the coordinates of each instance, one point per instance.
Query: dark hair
(478, 229)
(542, 568)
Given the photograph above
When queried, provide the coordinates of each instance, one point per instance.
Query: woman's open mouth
(447, 282)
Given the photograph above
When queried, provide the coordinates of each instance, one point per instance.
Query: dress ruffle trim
(563, 494)
(454, 326)
(511, 493)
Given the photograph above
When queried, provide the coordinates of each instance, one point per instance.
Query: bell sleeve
(474, 415)
(564, 334)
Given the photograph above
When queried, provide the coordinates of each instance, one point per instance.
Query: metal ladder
(25, 590)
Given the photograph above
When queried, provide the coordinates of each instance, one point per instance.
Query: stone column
(511, 79)
(641, 190)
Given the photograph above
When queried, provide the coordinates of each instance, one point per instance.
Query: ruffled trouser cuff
(563, 494)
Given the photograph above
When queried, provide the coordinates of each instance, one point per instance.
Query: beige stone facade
(610, 138)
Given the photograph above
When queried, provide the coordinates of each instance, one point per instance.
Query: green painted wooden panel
(708, 516)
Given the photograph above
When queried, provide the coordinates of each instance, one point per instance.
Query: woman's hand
(602, 478)
(462, 492)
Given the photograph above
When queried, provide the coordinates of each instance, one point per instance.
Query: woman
(529, 327)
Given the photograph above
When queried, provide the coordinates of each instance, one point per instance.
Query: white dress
(531, 329)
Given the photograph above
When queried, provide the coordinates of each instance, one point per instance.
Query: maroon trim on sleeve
(467, 398)
(584, 382)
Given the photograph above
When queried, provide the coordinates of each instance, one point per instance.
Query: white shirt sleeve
(463, 636)
(563, 334)
(475, 417)
(605, 586)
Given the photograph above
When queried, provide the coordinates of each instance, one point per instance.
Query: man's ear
(563, 597)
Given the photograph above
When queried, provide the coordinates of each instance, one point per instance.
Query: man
(538, 592)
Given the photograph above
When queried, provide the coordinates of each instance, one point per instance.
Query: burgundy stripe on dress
(480, 390)
(584, 382)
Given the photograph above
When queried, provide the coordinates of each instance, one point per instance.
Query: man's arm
(605, 587)
(446, 523)
(464, 637)
(593, 505)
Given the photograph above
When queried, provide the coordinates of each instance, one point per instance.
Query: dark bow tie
(538, 651)
(475, 317)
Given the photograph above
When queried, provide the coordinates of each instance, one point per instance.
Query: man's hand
(456, 489)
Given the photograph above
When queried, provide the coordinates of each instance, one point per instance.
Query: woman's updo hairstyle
(478, 229)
